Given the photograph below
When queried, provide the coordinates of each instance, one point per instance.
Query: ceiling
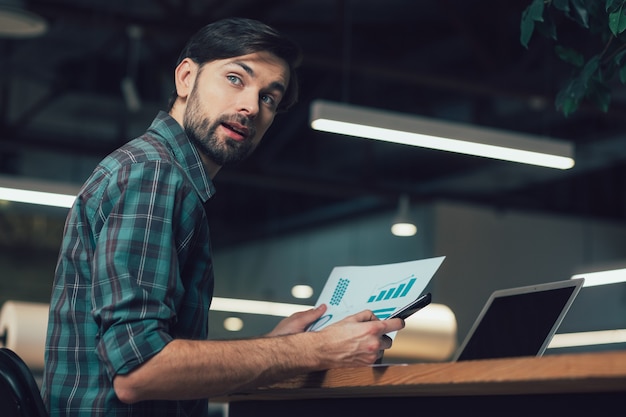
(62, 107)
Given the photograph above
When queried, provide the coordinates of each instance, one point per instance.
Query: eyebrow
(276, 85)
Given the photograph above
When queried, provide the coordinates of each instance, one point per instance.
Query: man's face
(232, 104)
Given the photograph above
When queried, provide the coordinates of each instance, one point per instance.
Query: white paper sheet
(380, 288)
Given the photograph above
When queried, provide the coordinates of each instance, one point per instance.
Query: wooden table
(589, 384)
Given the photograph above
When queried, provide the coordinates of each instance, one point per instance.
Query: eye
(269, 100)
(234, 79)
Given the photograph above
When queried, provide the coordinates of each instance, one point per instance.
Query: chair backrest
(19, 393)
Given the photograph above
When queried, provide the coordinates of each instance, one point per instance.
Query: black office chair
(19, 393)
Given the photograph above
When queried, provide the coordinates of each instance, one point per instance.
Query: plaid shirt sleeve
(136, 286)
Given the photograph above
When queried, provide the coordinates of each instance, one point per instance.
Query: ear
(185, 77)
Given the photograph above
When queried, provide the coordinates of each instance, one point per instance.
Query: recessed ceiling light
(15, 22)
(302, 291)
(233, 324)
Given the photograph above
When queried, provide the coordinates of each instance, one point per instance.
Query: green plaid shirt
(134, 272)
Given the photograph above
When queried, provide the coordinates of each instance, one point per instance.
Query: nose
(249, 103)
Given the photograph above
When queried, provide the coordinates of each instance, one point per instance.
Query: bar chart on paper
(391, 291)
(400, 291)
(382, 289)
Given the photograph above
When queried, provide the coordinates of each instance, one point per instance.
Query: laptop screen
(519, 321)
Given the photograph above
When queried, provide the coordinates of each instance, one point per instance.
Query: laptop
(519, 321)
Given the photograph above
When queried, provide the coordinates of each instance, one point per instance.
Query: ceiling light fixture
(233, 324)
(302, 291)
(16, 22)
(402, 223)
(37, 192)
(599, 337)
(446, 136)
(612, 276)
(266, 308)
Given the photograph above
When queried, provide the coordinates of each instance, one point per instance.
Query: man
(127, 333)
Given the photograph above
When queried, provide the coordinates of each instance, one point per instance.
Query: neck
(211, 167)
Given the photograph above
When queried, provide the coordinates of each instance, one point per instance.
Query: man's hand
(297, 322)
(357, 340)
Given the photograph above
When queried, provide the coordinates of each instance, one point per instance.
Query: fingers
(297, 322)
(360, 339)
(309, 316)
(386, 342)
(313, 313)
(365, 315)
(388, 326)
(394, 325)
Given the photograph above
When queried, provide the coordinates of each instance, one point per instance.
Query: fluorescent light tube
(602, 277)
(266, 308)
(37, 197)
(23, 190)
(600, 337)
(446, 136)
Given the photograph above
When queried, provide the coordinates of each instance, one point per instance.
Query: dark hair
(228, 38)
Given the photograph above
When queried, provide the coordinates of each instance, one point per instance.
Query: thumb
(317, 312)
(311, 314)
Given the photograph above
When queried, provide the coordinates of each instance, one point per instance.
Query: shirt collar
(184, 152)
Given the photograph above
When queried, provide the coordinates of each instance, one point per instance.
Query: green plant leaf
(617, 21)
(570, 56)
(622, 75)
(608, 69)
(563, 5)
(612, 5)
(580, 14)
(605, 26)
(546, 27)
(590, 69)
(533, 13)
(569, 97)
(578, 87)
(566, 103)
(619, 56)
(600, 95)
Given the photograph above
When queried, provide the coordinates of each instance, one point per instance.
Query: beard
(202, 133)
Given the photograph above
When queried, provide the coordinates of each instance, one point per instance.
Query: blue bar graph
(380, 295)
(383, 313)
(401, 291)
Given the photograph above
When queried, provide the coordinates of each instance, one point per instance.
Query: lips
(237, 131)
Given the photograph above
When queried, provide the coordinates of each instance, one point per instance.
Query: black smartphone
(419, 304)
